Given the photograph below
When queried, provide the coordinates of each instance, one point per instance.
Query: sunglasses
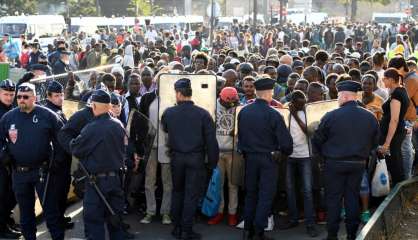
(25, 97)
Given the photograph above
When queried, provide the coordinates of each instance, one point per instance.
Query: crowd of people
(285, 66)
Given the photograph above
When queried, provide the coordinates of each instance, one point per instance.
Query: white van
(45, 28)
(88, 25)
(387, 18)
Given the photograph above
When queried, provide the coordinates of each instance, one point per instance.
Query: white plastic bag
(380, 181)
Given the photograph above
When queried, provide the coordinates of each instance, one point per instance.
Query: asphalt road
(157, 231)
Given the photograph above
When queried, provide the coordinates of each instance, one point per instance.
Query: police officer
(191, 136)
(261, 132)
(62, 175)
(7, 94)
(100, 147)
(345, 147)
(28, 132)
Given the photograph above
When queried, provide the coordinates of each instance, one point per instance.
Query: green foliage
(10, 7)
(144, 8)
(82, 7)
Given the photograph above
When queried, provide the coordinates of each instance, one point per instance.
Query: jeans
(407, 151)
(300, 167)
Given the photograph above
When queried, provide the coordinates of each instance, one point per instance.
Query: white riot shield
(204, 95)
(315, 111)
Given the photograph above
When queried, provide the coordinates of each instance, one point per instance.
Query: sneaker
(365, 217)
(217, 219)
(270, 224)
(166, 219)
(311, 230)
(147, 219)
(240, 225)
(232, 220)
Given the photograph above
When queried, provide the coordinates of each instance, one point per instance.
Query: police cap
(264, 84)
(182, 83)
(55, 87)
(100, 96)
(349, 85)
(26, 87)
(8, 85)
(114, 99)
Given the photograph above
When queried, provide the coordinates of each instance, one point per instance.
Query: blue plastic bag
(212, 198)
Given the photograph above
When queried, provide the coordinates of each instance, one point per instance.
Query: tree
(144, 8)
(354, 4)
(82, 7)
(11, 7)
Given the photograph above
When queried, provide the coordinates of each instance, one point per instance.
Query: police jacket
(61, 155)
(4, 109)
(73, 127)
(191, 130)
(59, 67)
(56, 109)
(261, 129)
(348, 133)
(28, 136)
(100, 145)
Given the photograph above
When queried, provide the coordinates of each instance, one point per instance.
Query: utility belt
(345, 161)
(106, 174)
(25, 168)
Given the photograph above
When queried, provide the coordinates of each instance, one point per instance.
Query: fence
(388, 215)
(75, 83)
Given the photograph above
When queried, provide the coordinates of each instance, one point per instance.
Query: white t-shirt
(300, 140)
(153, 117)
(151, 35)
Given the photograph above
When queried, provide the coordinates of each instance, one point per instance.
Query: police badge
(13, 134)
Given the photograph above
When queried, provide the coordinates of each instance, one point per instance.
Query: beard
(23, 107)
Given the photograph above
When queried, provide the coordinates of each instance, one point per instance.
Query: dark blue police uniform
(59, 67)
(62, 174)
(261, 131)
(100, 147)
(345, 138)
(191, 136)
(6, 192)
(28, 137)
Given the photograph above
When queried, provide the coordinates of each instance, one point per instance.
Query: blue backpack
(212, 199)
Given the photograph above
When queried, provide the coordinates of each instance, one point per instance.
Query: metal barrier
(73, 89)
(388, 215)
(81, 80)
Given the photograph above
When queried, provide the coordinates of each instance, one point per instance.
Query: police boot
(330, 237)
(7, 233)
(176, 233)
(351, 236)
(128, 235)
(248, 235)
(191, 235)
(261, 236)
(12, 225)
